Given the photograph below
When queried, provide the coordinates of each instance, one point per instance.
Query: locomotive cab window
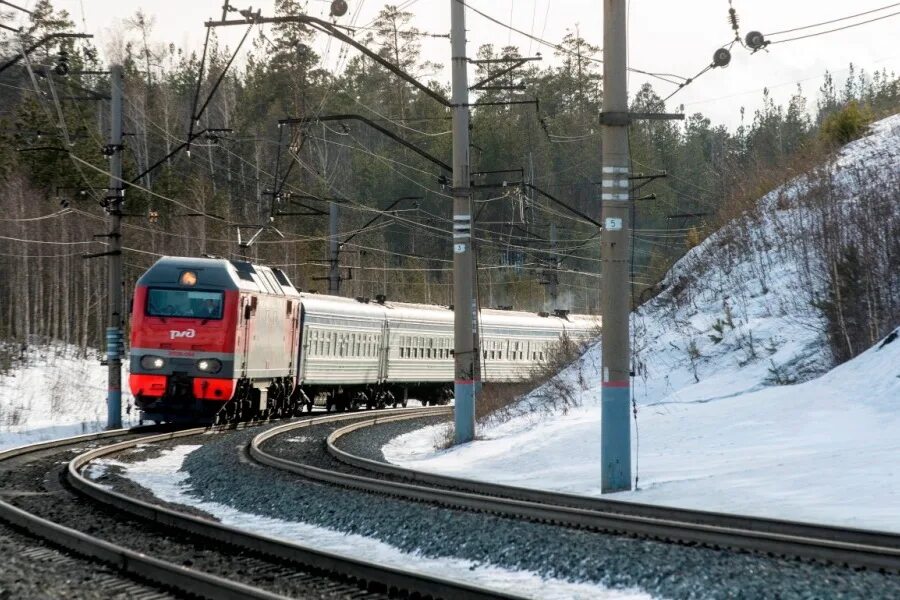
(193, 304)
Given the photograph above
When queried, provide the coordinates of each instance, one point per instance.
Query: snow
(822, 451)
(719, 429)
(56, 391)
(163, 476)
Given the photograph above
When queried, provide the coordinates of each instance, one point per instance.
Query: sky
(664, 36)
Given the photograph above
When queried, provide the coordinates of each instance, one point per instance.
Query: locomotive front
(183, 332)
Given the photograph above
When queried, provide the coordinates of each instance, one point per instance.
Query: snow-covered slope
(54, 391)
(736, 312)
(719, 426)
(824, 450)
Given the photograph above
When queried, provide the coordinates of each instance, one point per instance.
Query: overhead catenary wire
(836, 29)
(829, 22)
(557, 47)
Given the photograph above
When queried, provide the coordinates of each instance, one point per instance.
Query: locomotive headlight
(209, 365)
(153, 363)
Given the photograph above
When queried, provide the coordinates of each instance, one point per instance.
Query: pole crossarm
(332, 30)
(516, 63)
(501, 103)
(41, 42)
(687, 215)
(353, 117)
(520, 171)
(179, 148)
(623, 118)
(374, 219)
(556, 200)
(17, 7)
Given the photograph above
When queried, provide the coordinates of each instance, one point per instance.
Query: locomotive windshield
(184, 303)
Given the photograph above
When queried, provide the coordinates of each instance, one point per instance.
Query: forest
(535, 157)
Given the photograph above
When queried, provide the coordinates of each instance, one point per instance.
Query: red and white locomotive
(214, 338)
(206, 331)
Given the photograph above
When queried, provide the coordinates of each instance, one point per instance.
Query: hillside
(737, 312)
(737, 408)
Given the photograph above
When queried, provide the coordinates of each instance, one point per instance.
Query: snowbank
(825, 450)
(56, 391)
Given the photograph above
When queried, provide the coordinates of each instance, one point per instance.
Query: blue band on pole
(114, 409)
(114, 348)
(615, 437)
(464, 411)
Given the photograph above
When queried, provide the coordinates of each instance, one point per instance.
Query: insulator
(755, 40)
(721, 57)
(338, 8)
(733, 18)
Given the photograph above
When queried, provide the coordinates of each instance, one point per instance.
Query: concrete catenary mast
(466, 377)
(615, 445)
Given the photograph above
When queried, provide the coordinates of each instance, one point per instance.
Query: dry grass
(545, 390)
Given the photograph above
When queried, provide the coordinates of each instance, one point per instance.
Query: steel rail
(166, 574)
(858, 547)
(394, 579)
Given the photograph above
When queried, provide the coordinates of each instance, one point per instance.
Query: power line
(868, 12)
(803, 37)
(557, 47)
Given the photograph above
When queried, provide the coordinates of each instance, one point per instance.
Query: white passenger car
(360, 352)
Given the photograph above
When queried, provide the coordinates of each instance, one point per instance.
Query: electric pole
(114, 329)
(615, 399)
(553, 280)
(334, 265)
(466, 375)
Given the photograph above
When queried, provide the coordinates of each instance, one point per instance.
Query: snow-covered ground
(163, 475)
(56, 391)
(719, 429)
(826, 450)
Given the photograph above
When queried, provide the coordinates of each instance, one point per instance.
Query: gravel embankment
(219, 473)
(34, 484)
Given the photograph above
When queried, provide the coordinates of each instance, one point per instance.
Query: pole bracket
(623, 118)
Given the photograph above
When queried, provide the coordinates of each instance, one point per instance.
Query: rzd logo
(187, 333)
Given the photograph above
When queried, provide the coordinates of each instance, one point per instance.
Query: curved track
(341, 575)
(182, 580)
(842, 546)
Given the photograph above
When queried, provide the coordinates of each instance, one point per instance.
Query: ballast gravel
(32, 570)
(369, 441)
(34, 483)
(220, 472)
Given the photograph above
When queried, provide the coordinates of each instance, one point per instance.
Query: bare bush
(850, 253)
(551, 387)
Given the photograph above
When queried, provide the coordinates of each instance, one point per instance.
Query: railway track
(835, 545)
(44, 491)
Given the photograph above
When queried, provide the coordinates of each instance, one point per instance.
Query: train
(221, 340)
